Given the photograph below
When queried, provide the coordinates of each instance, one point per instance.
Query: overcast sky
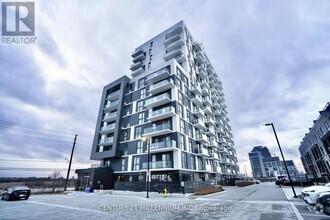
(271, 56)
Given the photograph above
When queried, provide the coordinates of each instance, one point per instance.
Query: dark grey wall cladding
(120, 84)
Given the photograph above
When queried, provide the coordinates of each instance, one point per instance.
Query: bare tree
(55, 176)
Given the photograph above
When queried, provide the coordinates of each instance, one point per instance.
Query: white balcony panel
(157, 76)
(161, 86)
(172, 54)
(158, 100)
(163, 113)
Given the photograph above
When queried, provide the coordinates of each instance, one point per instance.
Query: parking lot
(262, 201)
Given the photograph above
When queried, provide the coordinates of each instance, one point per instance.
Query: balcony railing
(108, 140)
(157, 128)
(161, 86)
(158, 164)
(160, 99)
(108, 127)
(162, 145)
(159, 75)
(110, 115)
(201, 167)
(172, 54)
(113, 95)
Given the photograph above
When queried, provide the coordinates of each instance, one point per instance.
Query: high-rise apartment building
(174, 104)
(315, 146)
(263, 164)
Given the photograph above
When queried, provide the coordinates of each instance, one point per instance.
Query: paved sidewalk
(289, 193)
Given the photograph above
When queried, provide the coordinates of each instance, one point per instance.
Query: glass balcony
(113, 96)
(111, 106)
(201, 138)
(110, 116)
(181, 58)
(175, 30)
(201, 167)
(196, 99)
(210, 131)
(158, 75)
(172, 39)
(205, 91)
(108, 128)
(158, 164)
(137, 72)
(207, 101)
(175, 44)
(198, 46)
(163, 146)
(198, 123)
(157, 130)
(139, 57)
(162, 113)
(201, 151)
(136, 65)
(198, 112)
(208, 110)
(212, 144)
(172, 54)
(196, 90)
(205, 84)
(158, 100)
(106, 141)
(137, 52)
(209, 121)
(200, 57)
(161, 86)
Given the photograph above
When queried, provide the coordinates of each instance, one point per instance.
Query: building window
(138, 132)
(188, 116)
(123, 164)
(190, 145)
(136, 163)
(180, 111)
(139, 106)
(139, 147)
(141, 83)
(141, 118)
(126, 135)
(182, 145)
(182, 127)
(190, 130)
(192, 162)
(143, 93)
(326, 125)
(178, 83)
(180, 97)
(184, 160)
(186, 90)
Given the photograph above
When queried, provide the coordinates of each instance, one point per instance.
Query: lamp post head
(268, 124)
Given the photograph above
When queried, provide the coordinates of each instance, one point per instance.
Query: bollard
(165, 192)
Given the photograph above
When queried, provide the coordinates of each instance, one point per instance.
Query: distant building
(315, 146)
(263, 164)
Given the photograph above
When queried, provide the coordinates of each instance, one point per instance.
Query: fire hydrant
(165, 192)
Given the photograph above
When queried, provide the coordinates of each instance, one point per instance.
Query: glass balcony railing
(110, 115)
(108, 127)
(160, 111)
(106, 140)
(161, 145)
(160, 84)
(160, 74)
(157, 128)
(157, 98)
(158, 164)
(114, 94)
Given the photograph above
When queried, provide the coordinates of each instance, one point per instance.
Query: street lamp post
(148, 166)
(286, 168)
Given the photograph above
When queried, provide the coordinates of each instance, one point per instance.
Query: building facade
(173, 105)
(264, 165)
(315, 146)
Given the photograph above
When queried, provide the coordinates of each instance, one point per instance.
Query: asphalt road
(264, 201)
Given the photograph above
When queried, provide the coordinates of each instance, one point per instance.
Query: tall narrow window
(182, 127)
(136, 163)
(141, 82)
(123, 164)
(143, 93)
(139, 147)
(180, 97)
(138, 132)
(139, 106)
(192, 162)
(182, 145)
(190, 145)
(180, 110)
(184, 160)
(141, 118)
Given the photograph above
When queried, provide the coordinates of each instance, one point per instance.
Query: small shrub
(243, 184)
(209, 190)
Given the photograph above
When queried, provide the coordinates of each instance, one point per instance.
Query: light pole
(286, 168)
(148, 168)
